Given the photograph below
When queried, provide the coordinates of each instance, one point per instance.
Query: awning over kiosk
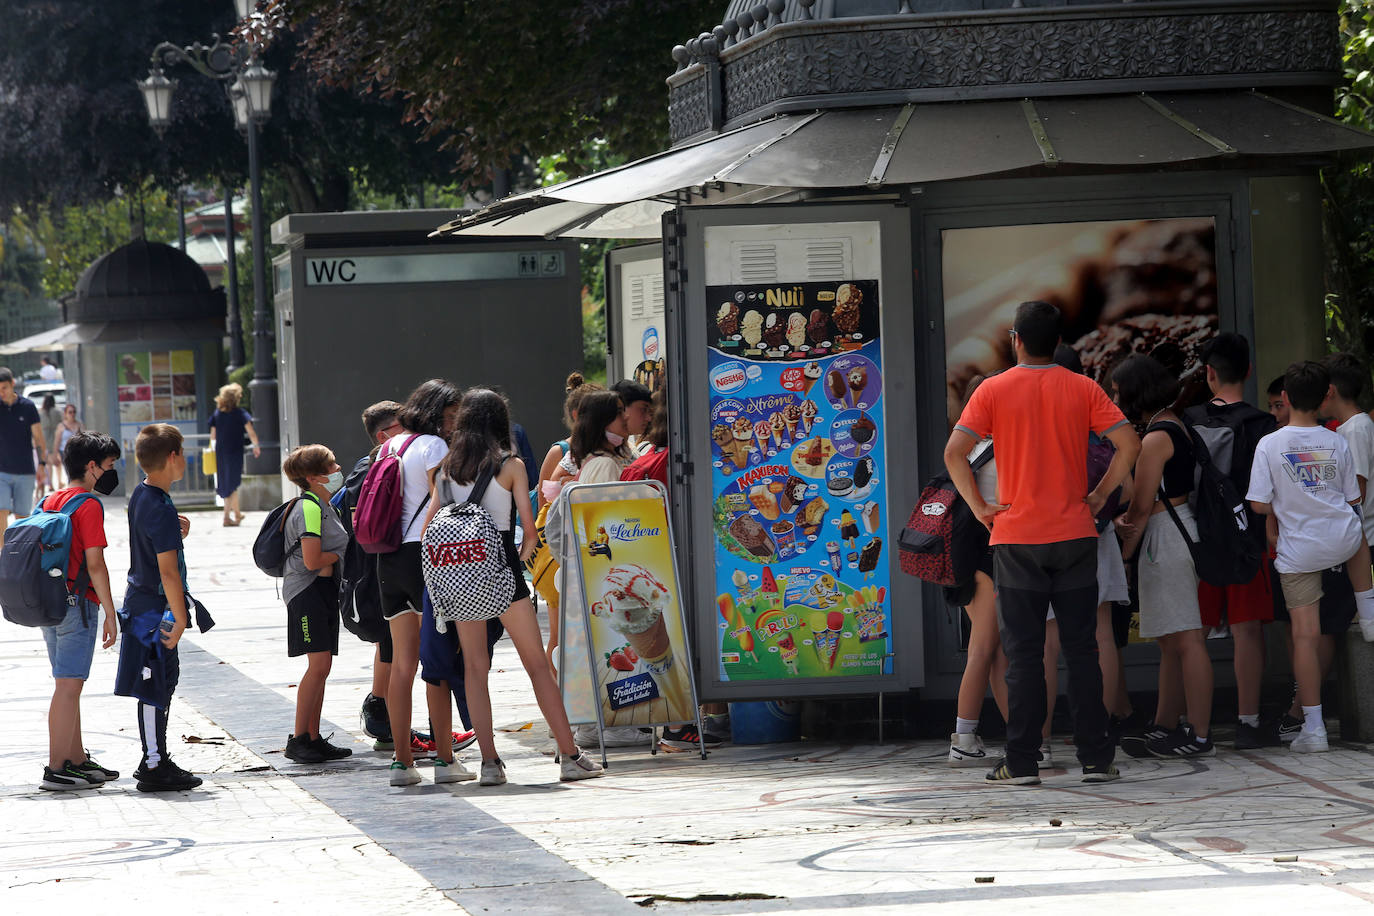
(71, 336)
(910, 144)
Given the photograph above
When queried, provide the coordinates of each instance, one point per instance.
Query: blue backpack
(33, 567)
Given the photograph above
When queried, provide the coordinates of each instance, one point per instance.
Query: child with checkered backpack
(481, 447)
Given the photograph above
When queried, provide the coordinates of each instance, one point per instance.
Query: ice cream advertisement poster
(641, 666)
(798, 481)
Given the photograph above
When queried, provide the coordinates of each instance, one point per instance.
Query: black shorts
(522, 588)
(312, 619)
(1336, 611)
(401, 580)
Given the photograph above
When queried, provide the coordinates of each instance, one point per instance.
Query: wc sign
(440, 267)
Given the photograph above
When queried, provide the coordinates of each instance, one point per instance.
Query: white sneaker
(1367, 628)
(967, 751)
(493, 773)
(615, 736)
(1310, 742)
(579, 767)
(1046, 756)
(402, 775)
(451, 772)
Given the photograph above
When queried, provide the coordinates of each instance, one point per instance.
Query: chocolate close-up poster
(1124, 286)
(798, 473)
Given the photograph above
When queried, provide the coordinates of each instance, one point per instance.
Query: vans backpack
(33, 567)
(943, 541)
(269, 548)
(1229, 545)
(377, 519)
(464, 561)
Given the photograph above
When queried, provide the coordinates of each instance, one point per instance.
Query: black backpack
(1229, 543)
(360, 595)
(269, 549)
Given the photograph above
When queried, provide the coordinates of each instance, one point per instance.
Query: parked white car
(37, 391)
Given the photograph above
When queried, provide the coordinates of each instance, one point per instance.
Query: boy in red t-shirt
(89, 462)
(1044, 541)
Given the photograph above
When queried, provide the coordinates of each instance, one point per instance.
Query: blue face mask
(335, 482)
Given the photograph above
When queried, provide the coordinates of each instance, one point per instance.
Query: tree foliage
(505, 80)
(1349, 203)
(73, 126)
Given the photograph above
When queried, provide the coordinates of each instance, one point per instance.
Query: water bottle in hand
(169, 621)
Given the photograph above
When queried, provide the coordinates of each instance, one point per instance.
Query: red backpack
(377, 518)
(943, 541)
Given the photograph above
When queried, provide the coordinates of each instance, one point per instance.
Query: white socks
(1364, 604)
(964, 726)
(1252, 721)
(1312, 720)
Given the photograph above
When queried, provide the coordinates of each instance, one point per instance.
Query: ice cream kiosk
(856, 200)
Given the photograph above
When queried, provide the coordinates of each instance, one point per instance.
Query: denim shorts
(71, 644)
(16, 493)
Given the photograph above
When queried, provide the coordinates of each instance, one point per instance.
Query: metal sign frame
(572, 584)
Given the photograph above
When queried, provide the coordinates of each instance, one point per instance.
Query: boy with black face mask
(89, 461)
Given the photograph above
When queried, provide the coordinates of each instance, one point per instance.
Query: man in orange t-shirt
(1043, 540)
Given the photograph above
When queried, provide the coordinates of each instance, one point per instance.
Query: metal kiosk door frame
(619, 262)
(687, 316)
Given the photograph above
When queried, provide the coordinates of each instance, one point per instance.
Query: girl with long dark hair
(1169, 612)
(426, 420)
(481, 441)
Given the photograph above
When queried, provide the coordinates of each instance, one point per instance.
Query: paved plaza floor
(796, 828)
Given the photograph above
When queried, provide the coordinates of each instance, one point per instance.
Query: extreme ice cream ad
(639, 648)
(798, 481)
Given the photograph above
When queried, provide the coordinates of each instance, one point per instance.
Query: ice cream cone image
(633, 602)
(762, 432)
(825, 639)
(791, 415)
(739, 454)
(808, 415)
(811, 374)
(775, 423)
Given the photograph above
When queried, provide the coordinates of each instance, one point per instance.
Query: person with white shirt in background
(47, 371)
(1304, 475)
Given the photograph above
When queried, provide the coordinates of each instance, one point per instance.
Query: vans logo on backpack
(474, 551)
(934, 509)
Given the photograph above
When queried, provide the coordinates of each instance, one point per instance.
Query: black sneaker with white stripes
(1135, 742)
(1180, 743)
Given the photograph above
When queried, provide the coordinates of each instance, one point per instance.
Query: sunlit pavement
(797, 828)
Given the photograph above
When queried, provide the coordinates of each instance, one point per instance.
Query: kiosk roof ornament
(782, 56)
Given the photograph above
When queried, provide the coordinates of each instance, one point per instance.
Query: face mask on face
(336, 481)
(107, 482)
(614, 438)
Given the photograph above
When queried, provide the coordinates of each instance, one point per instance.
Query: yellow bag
(208, 463)
(543, 568)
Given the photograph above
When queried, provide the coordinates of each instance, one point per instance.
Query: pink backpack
(377, 519)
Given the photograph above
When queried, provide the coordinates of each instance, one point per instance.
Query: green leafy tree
(73, 127)
(500, 81)
(1349, 197)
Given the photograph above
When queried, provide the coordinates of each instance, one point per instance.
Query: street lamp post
(249, 87)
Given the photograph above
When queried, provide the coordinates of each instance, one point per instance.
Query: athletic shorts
(312, 619)
(1250, 601)
(71, 643)
(402, 581)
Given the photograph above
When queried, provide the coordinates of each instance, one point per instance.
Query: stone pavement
(804, 828)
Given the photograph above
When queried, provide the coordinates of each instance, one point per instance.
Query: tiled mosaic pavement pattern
(786, 828)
